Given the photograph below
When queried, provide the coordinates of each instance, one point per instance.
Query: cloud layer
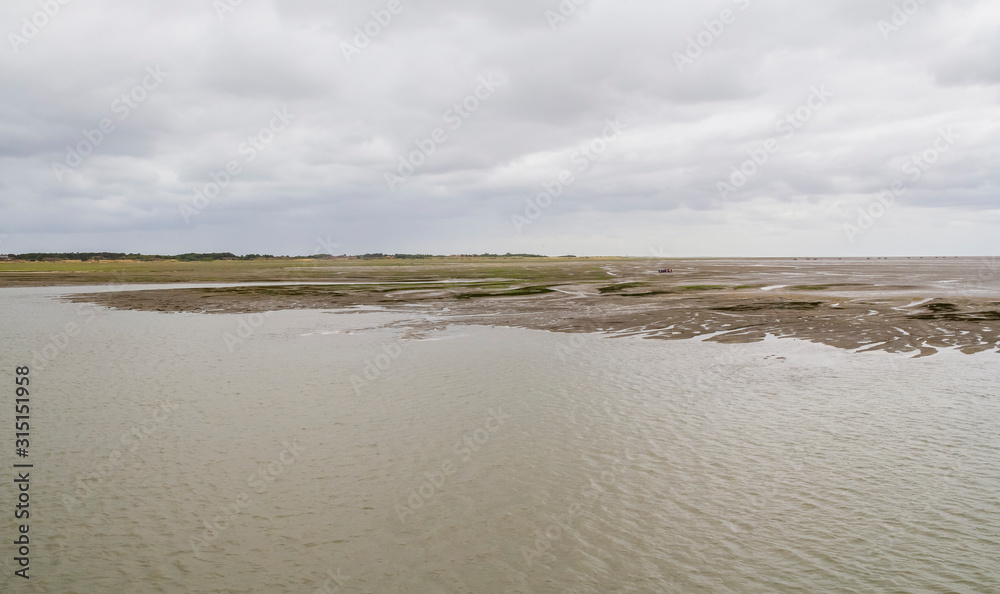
(740, 127)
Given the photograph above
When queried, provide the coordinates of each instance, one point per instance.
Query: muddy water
(314, 451)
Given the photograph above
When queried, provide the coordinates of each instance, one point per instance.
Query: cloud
(703, 88)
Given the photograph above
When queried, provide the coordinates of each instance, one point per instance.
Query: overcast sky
(446, 126)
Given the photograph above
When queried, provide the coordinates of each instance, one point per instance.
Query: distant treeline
(507, 255)
(85, 256)
(211, 257)
(420, 256)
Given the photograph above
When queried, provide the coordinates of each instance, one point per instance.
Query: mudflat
(913, 305)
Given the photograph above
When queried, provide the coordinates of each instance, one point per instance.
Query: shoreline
(898, 308)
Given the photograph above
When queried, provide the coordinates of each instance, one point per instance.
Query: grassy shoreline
(97, 272)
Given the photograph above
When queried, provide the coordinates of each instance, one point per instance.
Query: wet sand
(916, 306)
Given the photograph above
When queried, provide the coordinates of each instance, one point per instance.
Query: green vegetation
(949, 311)
(761, 306)
(112, 256)
(981, 316)
(211, 257)
(823, 287)
(340, 290)
(702, 288)
(536, 290)
(941, 307)
(380, 256)
(439, 286)
(508, 255)
(647, 293)
(618, 287)
(505, 271)
(276, 291)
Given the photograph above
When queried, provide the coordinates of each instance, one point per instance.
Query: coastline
(901, 307)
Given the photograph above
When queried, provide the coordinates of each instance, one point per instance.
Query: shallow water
(488, 459)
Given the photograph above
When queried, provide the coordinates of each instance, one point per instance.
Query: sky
(587, 127)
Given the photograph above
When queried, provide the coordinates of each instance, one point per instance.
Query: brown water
(490, 460)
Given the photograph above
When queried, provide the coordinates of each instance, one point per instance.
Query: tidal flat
(911, 305)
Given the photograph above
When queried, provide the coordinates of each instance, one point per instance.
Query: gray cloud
(702, 88)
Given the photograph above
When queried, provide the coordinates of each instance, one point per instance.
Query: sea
(363, 450)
